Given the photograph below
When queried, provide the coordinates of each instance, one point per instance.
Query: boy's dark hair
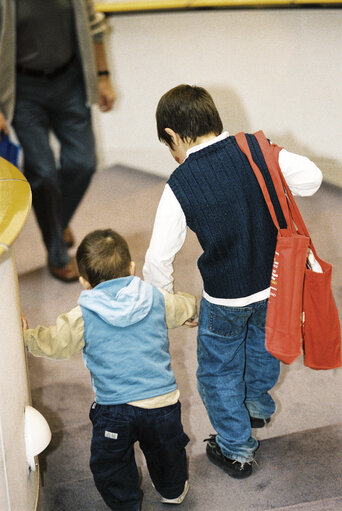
(103, 255)
(189, 111)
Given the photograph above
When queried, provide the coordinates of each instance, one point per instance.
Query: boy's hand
(24, 322)
(191, 323)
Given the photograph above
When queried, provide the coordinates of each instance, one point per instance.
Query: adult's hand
(4, 128)
(106, 93)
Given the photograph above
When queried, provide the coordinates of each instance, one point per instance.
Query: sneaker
(259, 423)
(233, 468)
(177, 500)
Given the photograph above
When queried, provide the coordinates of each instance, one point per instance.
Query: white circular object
(37, 434)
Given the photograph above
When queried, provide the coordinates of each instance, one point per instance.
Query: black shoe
(259, 423)
(232, 467)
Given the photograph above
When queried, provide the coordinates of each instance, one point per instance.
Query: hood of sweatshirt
(120, 302)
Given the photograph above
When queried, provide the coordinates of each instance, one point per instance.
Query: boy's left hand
(24, 322)
(191, 323)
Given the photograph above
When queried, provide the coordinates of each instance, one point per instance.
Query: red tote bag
(321, 330)
(301, 313)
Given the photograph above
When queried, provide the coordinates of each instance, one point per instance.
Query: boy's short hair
(189, 111)
(103, 255)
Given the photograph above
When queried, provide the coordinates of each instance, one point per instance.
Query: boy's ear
(174, 136)
(84, 283)
(132, 268)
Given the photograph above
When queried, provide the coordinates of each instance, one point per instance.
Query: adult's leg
(262, 368)
(222, 333)
(163, 442)
(112, 460)
(31, 123)
(71, 122)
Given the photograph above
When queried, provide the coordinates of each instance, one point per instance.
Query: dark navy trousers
(160, 434)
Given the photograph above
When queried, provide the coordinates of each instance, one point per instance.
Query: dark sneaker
(259, 423)
(232, 467)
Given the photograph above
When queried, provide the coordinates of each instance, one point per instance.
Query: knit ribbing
(224, 206)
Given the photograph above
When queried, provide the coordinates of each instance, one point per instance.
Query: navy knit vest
(224, 206)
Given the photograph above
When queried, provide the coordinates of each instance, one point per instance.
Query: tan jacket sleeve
(62, 340)
(179, 307)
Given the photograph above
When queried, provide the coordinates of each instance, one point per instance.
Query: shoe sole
(177, 500)
(231, 472)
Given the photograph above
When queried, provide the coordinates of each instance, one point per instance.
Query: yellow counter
(156, 5)
(15, 203)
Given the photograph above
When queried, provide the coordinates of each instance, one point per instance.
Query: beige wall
(279, 70)
(18, 487)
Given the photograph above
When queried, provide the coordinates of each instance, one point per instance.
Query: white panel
(276, 70)
(14, 395)
(4, 492)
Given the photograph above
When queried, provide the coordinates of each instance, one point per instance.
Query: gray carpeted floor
(299, 460)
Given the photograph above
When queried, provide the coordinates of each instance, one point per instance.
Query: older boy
(120, 326)
(214, 192)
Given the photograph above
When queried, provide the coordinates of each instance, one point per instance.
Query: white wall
(276, 70)
(18, 487)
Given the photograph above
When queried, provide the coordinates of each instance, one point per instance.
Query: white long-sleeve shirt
(169, 232)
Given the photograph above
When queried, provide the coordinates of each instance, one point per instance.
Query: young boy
(214, 192)
(121, 326)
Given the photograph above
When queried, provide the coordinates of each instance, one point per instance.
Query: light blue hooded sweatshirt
(126, 341)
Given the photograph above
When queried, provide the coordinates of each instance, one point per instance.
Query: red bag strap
(271, 156)
(243, 144)
(293, 217)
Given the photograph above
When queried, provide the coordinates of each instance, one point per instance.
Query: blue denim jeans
(58, 105)
(160, 433)
(235, 373)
